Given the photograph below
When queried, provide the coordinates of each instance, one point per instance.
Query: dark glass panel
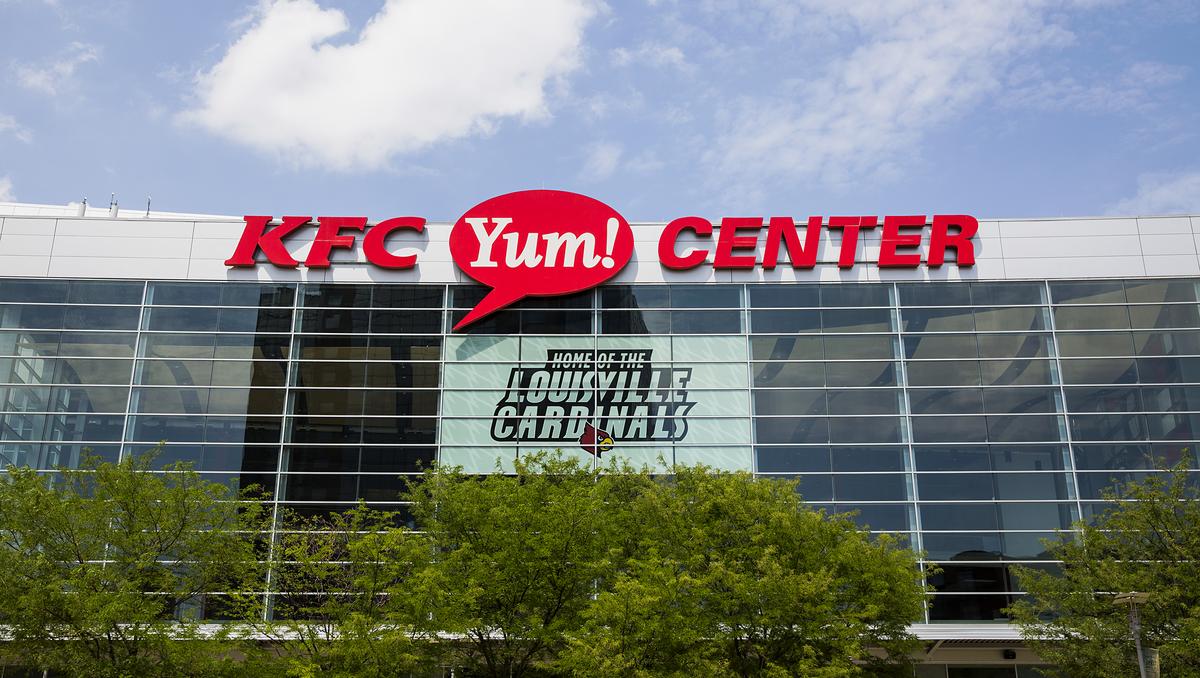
(90, 398)
(246, 373)
(335, 320)
(1036, 486)
(879, 517)
(784, 296)
(1017, 429)
(255, 320)
(32, 317)
(980, 546)
(853, 294)
(328, 401)
(405, 348)
(1159, 291)
(33, 291)
(934, 294)
(1103, 399)
(502, 322)
(991, 580)
(955, 486)
(945, 401)
(1020, 400)
(1102, 344)
(1099, 371)
(1027, 457)
(1170, 315)
(634, 296)
(20, 343)
(397, 459)
(958, 517)
(401, 403)
(791, 430)
(1091, 318)
(400, 430)
(326, 430)
(697, 322)
(1171, 398)
(864, 430)
(863, 401)
(182, 319)
(1035, 516)
(635, 322)
(317, 347)
(1093, 485)
(861, 373)
(406, 375)
(1006, 293)
(1016, 372)
(337, 295)
(1108, 427)
(868, 459)
(953, 458)
(1026, 545)
(941, 346)
(789, 374)
(1089, 292)
(324, 459)
(99, 344)
(852, 320)
(1112, 456)
(1016, 318)
(785, 322)
(808, 347)
(866, 347)
(1014, 345)
(320, 487)
(92, 371)
(407, 322)
(870, 487)
(815, 487)
(178, 345)
(787, 402)
(221, 294)
(381, 487)
(1171, 454)
(944, 373)
(1166, 343)
(949, 429)
(1174, 426)
(331, 374)
(937, 320)
(793, 460)
(102, 318)
(249, 346)
(706, 296)
(1168, 370)
(407, 296)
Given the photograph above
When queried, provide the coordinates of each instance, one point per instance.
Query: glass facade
(974, 418)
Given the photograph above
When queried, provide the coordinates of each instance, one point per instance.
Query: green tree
(105, 567)
(345, 589)
(1147, 541)
(738, 577)
(519, 557)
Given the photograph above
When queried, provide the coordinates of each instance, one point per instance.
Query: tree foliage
(106, 567)
(1148, 541)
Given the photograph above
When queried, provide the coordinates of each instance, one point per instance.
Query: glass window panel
(407, 296)
(98, 344)
(1030, 428)
(635, 322)
(955, 486)
(332, 347)
(1099, 371)
(1094, 485)
(870, 487)
(320, 487)
(331, 374)
(32, 317)
(1088, 292)
(784, 296)
(1173, 426)
(1169, 315)
(941, 346)
(502, 322)
(790, 402)
(1025, 318)
(248, 346)
(397, 459)
(1158, 291)
(1016, 372)
(862, 373)
(53, 291)
(851, 320)
(326, 430)
(400, 430)
(1036, 516)
(337, 295)
(958, 517)
(944, 373)
(864, 430)
(1091, 318)
(255, 320)
(178, 345)
(244, 373)
(92, 371)
(878, 517)
(1103, 399)
(793, 460)
(787, 348)
(949, 429)
(868, 459)
(1014, 345)
(789, 374)
(946, 400)
(334, 320)
(706, 296)
(328, 401)
(398, 374)
(1027, 457)
(979, 546)
(815, 487)
(1166, 343)
(937, 320)
(323, 459)
(1026, 545)
(852, 294)
(954, 458)
(934, 294)
(863, 401)
(1006, 293)
(702, 322)
(102, 318)
(1020, 400)
(1112, 456)
(557, 322)
(182, 319)
(791, 430)
(1037, 486)
(90, 398)
(1168, 370)
(1171, 398)
(1095, 344)
(635, 296)
(785, 322)
(20, 343)
(867, 347)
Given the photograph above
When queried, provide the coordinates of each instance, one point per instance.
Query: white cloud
(6, 190)
(1159, 194)
(908, 66)
(420, 72)
(51, 77)
(602, 160)
(1132, 89)
(9, 125)
(651, 54)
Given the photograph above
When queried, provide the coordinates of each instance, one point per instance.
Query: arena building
(974, 384)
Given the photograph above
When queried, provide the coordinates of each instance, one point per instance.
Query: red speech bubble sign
(538, 244)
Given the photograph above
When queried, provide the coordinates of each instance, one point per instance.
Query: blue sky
(660, 108)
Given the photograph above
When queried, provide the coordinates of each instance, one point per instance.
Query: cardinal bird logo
(595, 441)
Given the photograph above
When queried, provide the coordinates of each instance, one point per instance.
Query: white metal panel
(17, 244)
